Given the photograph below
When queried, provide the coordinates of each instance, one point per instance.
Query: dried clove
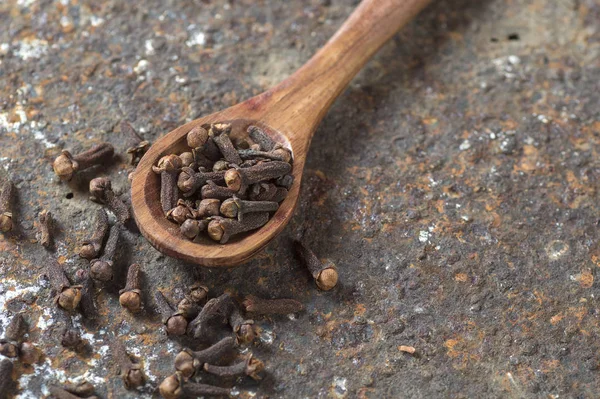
(198, 292)
(175, 323)
(197, 137)
(168, 167)
(28, 353)
(207, 207)
(278, 154)
(262, 191)
(257, 305)
(243, 328)
(239, 179)
(251, 367)
(83, 388)
(6, 213)
(91, 248)
(60, 393)
(216, 310)
(235, 207)
(325, 275)
(45, 219)
(67, 296)
(191, 228)
(88, 309)
(221, 229)
(6, 369)
(130, 297)
(211, 191)
(70, 337)
(258, 135)
(138, 146)
(221, 166)
(101, 190)
(66, 164)
(190, 181)
(182, 212)
(130, 372)
(101, 269)
(188, 308)
(9, 345)
(220, 135)
(279, 195)
(285, 181)
(189, 362)
(174, 387)
(188, 160)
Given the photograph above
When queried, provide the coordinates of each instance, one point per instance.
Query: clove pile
(224, 186)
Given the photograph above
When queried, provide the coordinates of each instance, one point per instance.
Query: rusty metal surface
(454, 184)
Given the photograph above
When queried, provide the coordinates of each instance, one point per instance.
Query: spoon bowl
(289, 113)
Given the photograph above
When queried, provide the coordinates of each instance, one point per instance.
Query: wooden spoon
(290, 112)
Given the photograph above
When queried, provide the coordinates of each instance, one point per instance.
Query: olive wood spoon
(289, 112)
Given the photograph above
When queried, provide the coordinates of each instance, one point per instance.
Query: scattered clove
(130, 372)
(70, 337)
(130, 297)
(174, 387)
(6, 368)
(138, 146)
(9, 345)
(198, 292)
(235, 207)
(67, 296)
(101, 191)
(257, 305)
(28, 353)
(6, 213)
(168, 167)
(60, 393)
(251, 367)
(222, 229)
(216, 310)
(88, 309)
(175, 323)
(83, 388)
(91, 248)
(46, 222)
(101, 269)
(243, 328)
(189, 362)
(325, 275)
(66, 164)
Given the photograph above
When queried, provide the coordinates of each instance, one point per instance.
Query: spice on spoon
(229, 177)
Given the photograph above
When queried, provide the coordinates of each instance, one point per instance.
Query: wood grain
(290, 112)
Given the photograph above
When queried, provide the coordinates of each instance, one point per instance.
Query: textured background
(454, 184)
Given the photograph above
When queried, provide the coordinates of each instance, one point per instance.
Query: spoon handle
(307, 94)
